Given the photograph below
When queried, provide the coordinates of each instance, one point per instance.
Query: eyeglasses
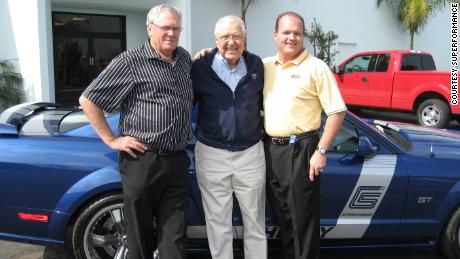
(169, 28)
(228, 37)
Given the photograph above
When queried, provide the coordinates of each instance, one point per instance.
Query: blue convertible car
(386, 185)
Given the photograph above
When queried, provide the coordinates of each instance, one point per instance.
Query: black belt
(163, 152)
(285, 140)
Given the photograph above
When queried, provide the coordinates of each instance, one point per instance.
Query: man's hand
(317, 164)
(331, 128)
(98, 121)
(127, 144)
(201, 53)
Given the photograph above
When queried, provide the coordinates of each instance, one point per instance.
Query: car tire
(449, 240)
(98, 231)
(433, 113)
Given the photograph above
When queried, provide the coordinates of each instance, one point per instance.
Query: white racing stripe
(366, 197)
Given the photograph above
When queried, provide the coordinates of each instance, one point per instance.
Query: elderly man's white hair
(154, 13)
(229, 18)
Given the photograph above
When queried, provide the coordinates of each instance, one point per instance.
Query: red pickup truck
(401, 80)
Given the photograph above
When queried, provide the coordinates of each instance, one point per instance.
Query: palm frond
(11, 91)
(10, 95)
(416, 14)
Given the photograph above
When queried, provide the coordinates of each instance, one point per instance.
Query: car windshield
(45, 123)
(54, 122)
(384, 128)
(394, 136)
(73, 120)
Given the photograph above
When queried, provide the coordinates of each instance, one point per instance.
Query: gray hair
(229, 18)
(154, 13)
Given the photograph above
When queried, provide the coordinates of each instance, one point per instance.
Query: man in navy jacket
(228, 84)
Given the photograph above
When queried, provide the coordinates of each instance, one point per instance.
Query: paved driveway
(13, 250)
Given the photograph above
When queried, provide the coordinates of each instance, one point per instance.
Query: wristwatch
(321, 150)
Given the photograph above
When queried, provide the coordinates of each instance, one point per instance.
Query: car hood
(426, 141)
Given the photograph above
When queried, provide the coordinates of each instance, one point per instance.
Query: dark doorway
(84, 44)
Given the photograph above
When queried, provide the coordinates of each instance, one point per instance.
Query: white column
(30, 27)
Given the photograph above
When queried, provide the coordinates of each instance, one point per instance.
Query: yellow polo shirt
(296, 92)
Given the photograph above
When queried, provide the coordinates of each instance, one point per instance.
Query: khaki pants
(221, 173)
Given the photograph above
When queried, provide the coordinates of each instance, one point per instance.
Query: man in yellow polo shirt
(298, 87)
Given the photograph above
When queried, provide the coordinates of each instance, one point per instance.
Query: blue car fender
(101, 181)
(451, 201)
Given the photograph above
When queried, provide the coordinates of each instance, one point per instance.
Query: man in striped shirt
(151, 85)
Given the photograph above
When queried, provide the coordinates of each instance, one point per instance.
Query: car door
(361, 198)
(353, 80)
(380, 79)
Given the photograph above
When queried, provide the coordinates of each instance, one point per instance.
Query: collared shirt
(155, 96)
(296, 92)
(230, 76)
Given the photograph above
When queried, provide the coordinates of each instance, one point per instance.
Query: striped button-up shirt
(154, 96)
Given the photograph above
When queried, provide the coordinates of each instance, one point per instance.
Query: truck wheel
(433, 113)
(449, 240)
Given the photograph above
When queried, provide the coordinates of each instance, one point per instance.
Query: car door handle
(364, 79)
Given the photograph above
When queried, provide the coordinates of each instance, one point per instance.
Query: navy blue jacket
(228, 120)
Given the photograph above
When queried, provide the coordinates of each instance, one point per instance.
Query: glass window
(72, 121)
(428, 62)
(357, 64)
(382, 63)
(347, 139)
(74, 22)
(412, 62)
(43, 124)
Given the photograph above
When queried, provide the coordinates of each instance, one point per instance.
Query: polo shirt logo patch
(253, 76)
(294, 76)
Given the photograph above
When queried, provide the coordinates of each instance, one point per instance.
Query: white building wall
(204, 15)
(359, 29)
(8, 49)
(24, 40)
(435, 38)
(26, 35)
(184, 8)
(260, 23)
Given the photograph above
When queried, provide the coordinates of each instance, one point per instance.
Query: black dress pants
(155, 187)
(294, 198)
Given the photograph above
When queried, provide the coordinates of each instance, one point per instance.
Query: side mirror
(365, 147)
